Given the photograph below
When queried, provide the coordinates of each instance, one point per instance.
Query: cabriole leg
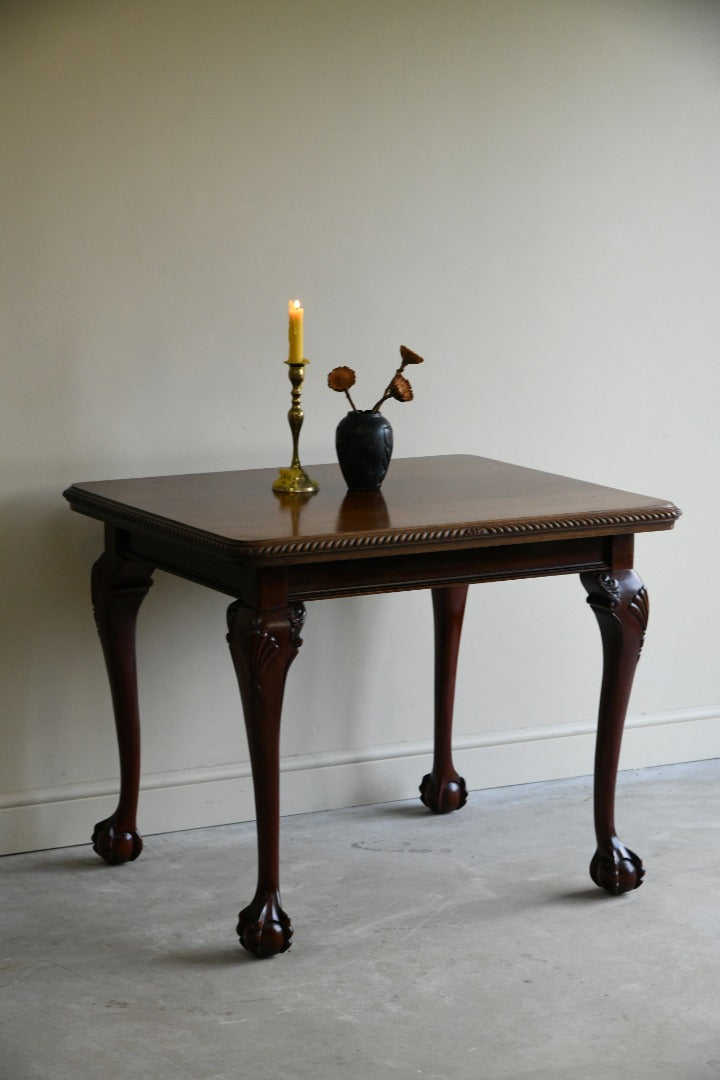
(620, 603)
(442, 790)
(119, 586)
(263, 645)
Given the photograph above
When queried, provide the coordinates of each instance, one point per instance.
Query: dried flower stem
(354, 406)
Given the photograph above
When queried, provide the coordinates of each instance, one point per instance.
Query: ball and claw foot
(113, 845)
(263, 927)
(618, 871)
(445, 797)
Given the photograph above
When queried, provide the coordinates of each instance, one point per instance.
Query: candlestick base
(295, 481)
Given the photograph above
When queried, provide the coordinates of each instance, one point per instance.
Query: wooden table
(439, 523)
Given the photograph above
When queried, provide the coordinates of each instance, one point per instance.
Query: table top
(425, 502)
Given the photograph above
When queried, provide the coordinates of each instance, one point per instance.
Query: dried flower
(401, 389)
(410, 357)
(342, 378)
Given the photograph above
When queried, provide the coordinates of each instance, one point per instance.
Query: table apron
(426, 570)
(316, 580)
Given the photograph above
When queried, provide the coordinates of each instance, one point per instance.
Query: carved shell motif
(639, 606)
(260, 648)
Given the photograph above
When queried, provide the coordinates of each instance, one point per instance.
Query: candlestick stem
(295, 481)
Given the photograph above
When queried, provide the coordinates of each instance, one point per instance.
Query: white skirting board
(197, 798)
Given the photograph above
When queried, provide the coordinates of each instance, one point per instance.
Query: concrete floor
(471, 947)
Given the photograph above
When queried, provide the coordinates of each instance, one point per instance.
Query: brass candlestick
(295, 481)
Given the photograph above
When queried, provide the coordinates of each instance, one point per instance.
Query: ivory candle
(295, 331)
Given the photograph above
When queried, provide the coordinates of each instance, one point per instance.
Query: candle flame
(297, 304)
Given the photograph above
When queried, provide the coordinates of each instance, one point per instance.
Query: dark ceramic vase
(364, 443)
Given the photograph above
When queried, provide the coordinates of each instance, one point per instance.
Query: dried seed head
(341, 378)
(410, 357)
(401, 389)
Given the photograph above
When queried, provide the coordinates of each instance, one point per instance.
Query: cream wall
(526, 193)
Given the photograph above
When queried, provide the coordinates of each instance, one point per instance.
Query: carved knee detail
(618, 595)
(261, 639)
